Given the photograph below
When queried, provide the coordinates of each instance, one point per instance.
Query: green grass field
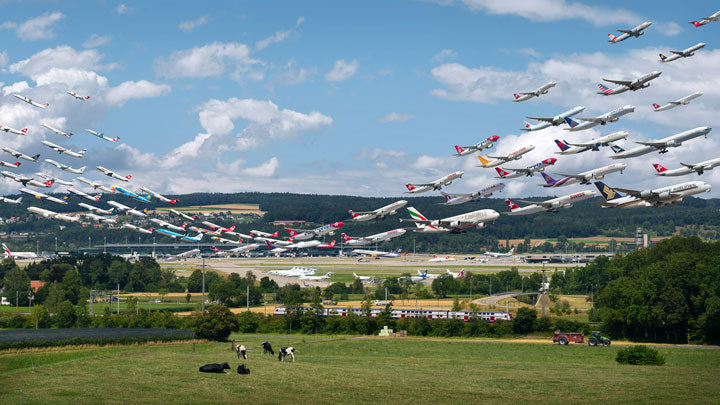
(362, 371)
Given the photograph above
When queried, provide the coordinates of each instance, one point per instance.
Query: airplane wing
(498, 157)
(678, 52)
(620, 82)
(687, 165)
(631, 192)
(457, 224)
(674, 102)
(594, 119)
(546, 119)
(655, 144)
(540, 203)
(583, 145)
(527, 94)
(574, 176)
(629, 32)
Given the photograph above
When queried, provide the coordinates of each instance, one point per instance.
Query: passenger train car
(398, 313)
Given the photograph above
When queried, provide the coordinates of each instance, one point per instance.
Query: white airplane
(101, 219)
(158, 196)
(420, 277)
(470, 149)
(293, 272)
(255, 234)
(660, 145)
(54, 179)
(77, 96)
(18, 255)
(635, 32)
(8, 164)
(96, 209)
(435, 185)
(29, 101)
(457, 223)
(57, 131)
(19, 155)
(376, 253)
(706, 20)
(148, 231)
(377, 238)
(26, 180)
(536, 93)
(273, 241)
(236, 251)
(460, 274)
(96, 186)
(363, 278)
(41, 196)
(455, 199)
(528, 171)
(584, 177)
(552, 121)
(552, 204)
(568, 148)
(664, 196)
(13, 130)
(84, 195)
(222, 229)
(62, 150)
(437, 258)
(681, 101)
(498, 255)
(427, 276)
(224, 240)
(183, 255)
(499, 160)
(306, 234)
(183, 215)
(303, 245)
(113, 174)
(390, 209)
(682, 54)
(127, 209)
(625, 85)
(611, 116)
(65, 167)
(10, 200)
(167, 225)
(52, 215)
(698, 168)
(316, 278)
(102, 135)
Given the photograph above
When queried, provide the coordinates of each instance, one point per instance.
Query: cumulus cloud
(279, 36)
(61, 57)
(35, 28)
(96, 40)
(342, 70)
(211, 60)
(444, 55)
(396, 117)
(293, 75)
(122, 9)
(120, 94)
(4, 58)
(188, 26)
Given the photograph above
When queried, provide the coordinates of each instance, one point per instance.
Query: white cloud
(18, 87)
(444, 55)
(62, 57)
(4, 59)
(35, 28)
(120, 94)
(122, 9)
(342, 70)
(188, 26)
(96, 40)
(396, 117)
(292, 76)
(264, 170)
(278, 36)
(669, 29)
(211, 60)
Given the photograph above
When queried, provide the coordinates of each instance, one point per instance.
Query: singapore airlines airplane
(584, 177)
(706, 20)
(528, 171)
(682, 54)
(660, 145)
(611, 116)
(457, 223)
(552, 121)
(568, 148)
(698, 168)
(455, 199)
(536, 93)
(664, 196)
(382, 212)
(635, 32)
(516, 155)
(551, 205)
(435, 185)
(57, 131)
(29, 101)
(625, 85)
(13, 130)
(470, 149)
(681, 101)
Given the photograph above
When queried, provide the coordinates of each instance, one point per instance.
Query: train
(399, 313)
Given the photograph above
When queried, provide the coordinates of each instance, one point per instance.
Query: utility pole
(37, 246)
(542, 288)
(56, 244)
(203, 285)
(118, 301)
(247, 297)
(104, 244)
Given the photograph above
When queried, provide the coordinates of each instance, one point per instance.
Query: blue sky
(339, 97)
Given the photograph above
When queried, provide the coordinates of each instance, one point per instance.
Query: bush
(640, 355)
(216, 324)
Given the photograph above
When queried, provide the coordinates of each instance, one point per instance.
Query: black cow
(267, 348)
(284, 351)
(215, 368)
(242, 370)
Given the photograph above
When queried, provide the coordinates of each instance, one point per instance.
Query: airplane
(568, 148)
(18, 255)
(113, 174)
(528, 171)
(162, 223)
(148, 231)
(457, 223)
(363, 278)
(455, 199)
(625, 85)
(706, 20)
(470, 149)
(255, 233)
(603, 119)
(52, 215)
(62, 150)
(316, 278)
(584, 177)
(224, 240)
(158, 196)
(29, 101)
(96, 209)
(499, 160)
(390, 209)
(682, 54)
(132, 195)
(698, 168)
(330, 245)
(102, 135)
(10, 200)
(635, 32)
(176, 235)
(498, 255)
(6, 164)
(182, 215)
(96, 186)
(376, 238)
(183, 255)
(238, 250)
(681, 101)
(551, 205)
(552, 121)
(376, 253)
(65, 167)
(13, 130)
(276, 250)
(57, 131)
(77, 96)
(302, 245)
(273, 241)
(426, 275)
(54, 179)
(84, 195)
(328, 229)
(127, 209)
(229, 231)
(26, 180)
(460, 274)
(101, 219)
(19, 155)
(41, 196)
(661, 145)
(435, 185)
(205, 231)
(293, 272)
(437, 258)
(536, 93)
(664, 196)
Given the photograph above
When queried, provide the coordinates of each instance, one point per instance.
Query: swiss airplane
(19, 155)
(660, 145)
(41, 196)
(681, 101)
(437, 258)
(682, 54)
(625, 85)
(158, 196)
(125, 208)
(306, 234)
(96, 186)
(635, 32)
(136, 228)
(470, 149)
(96, 209)
(77, 96)
(10, 165)
(29, 101)
(706, 20)
(376, 253)
(664, 196)
(698, 168)
(584, 177)
(457, 223)
(57, 131)
(10, 200)
(77, 192)
(382, 212)
(460, 274)
(528, 171)
(220, 229)
(65, 167)
(102, 135)
(64, 151)
(183, 215)
(552, 121)
(377, 238)
(435, 185)
(535, 93)
(226, 241)
(551, 205)
(26, 180)
(611, 116)
(238, 250)
(52, 215)
(13, 130)
(516, 155)
(55, 179)
(113, 174)
(455, 199)
(568, 148)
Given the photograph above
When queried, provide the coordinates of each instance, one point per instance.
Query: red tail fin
(696, 23)
(214, 249)
(129, 176)
(345, 237)
(410, 187)
(656, 106)
(16, 164)
(511, 205)
(274, 234)
(173, 202)
(459, 149)
(49, 183)
(659, 167)
(501, 172)
(517, 96)
(290, 231)
(24, 130)
(353, 214)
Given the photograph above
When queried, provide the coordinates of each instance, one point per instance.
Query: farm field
(234, 209)
(352, 370)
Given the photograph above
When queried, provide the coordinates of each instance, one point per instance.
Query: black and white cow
(267, 348)
(284, 351)
(241, 351)
(215, 368)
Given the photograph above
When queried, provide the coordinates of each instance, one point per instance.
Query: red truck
(564, 338)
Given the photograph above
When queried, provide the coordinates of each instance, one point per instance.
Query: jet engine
(480, 225)
(664, 195)
(454, 224)
(673, 143)
(645, 193)
(568, 205)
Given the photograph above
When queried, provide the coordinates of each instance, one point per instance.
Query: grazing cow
(215, 368)
(284, 351)
(241, 351)
(242, 370)
(267, 348)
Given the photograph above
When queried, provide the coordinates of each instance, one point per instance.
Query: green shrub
(640, 355)
(216, 324)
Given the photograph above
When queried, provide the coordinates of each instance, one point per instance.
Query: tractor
(597, 338)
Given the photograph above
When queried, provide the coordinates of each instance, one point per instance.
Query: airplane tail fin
(97, 197)
(291, 232)
(605, 90)
(656, 106)
(269, 245)
(173, 202)
(662, 58)
(274, 234)
(570, 122)
(214, 249)
(660, 168)
(410, 187)
(511, 205)
(332, 244)
(461, 274)
(695, 23)
(415, 214)
(24, 131)
(617, 149)
(128, 177)
(7, 251)
(527, 126)
(548, 179)
(512, 250)
(459, 149)
(484, 161)
(353, 214)
(16, 164)
(612, 37)
(445, 196)
(35, 158)
(49, 183)
(345, 237)
(232, 228)
(517, 96)
(81, 170)
(606, 191)
(562, 145)
(502, 173)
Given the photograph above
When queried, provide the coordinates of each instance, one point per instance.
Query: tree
(16, 286)
(216, 324)
(40, 316)
(73, 287)
(187, 297)
(6, 265)
(223, 291)
(55, 296)
(65, 316)
(524, 320)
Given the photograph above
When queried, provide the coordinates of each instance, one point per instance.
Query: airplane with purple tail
(582, 178)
